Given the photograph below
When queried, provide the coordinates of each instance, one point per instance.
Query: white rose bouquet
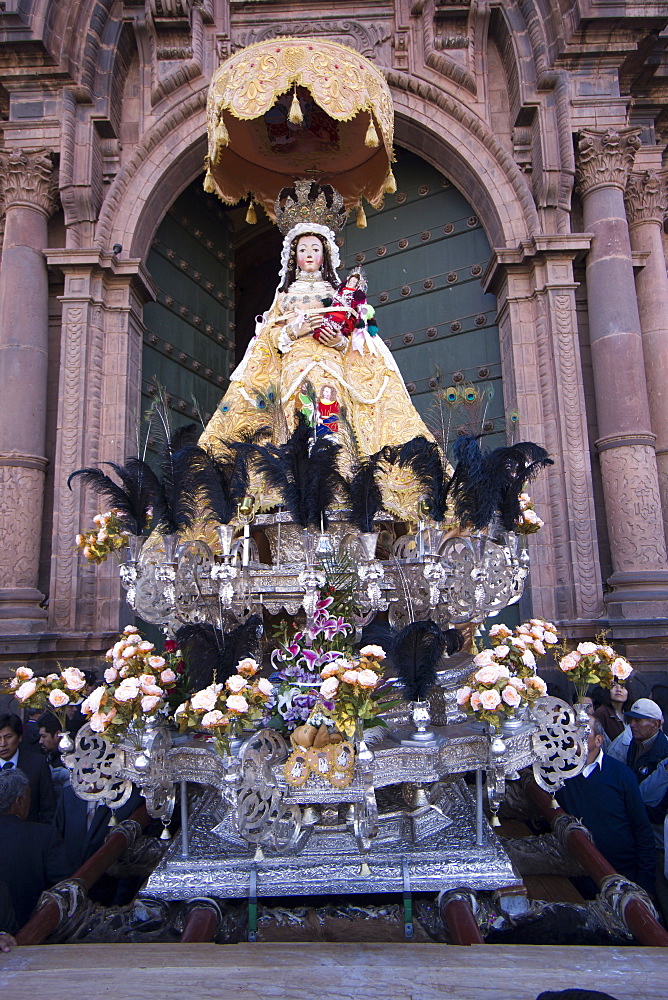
(108, 536)
(528, 522)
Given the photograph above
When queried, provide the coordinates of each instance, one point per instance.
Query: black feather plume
(454, 641)
(212, 655)
(380, 633)
(139, 493)
(323, 481)
(179, 505)
(424, 460)
(417, 650)
(219, 476)
(509, 469)
(488, 485)
(473, 503)
(184, 436)
(366, 498)
(304, 472)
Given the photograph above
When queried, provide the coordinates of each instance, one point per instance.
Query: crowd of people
(46, 831)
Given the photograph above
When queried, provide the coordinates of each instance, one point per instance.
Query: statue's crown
(307, 201)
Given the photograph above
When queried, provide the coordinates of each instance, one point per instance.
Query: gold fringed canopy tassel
(251, 214)
(371, 139)
(361, 217)
(295, 116)
(209, 186)
(221, 137)
(390, 183)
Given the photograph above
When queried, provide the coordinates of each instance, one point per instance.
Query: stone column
(542, 377)
(646, 203)
(29, 195)
(626, 442)
(98, 416)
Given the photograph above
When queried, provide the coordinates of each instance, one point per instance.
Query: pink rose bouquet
(54, 693)
(225, 710)
(137, 683)
(505, 677)
(595, 663)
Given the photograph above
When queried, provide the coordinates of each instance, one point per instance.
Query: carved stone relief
(605, 157)
(576, 462)
(21, 494)
(370, 38)
(633, 508)
(28, 178)
(66, 522)
(646, 196)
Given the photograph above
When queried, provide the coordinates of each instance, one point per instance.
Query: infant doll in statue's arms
(348, 311)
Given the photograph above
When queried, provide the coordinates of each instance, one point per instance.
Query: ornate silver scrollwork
(148, 767)
(95, 766)
(261, 815)
(557, 742)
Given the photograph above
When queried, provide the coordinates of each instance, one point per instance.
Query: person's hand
(335, 340)
(7, 942)
(310, 325)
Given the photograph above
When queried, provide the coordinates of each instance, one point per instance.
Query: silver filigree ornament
(95, 769)
(559, 743)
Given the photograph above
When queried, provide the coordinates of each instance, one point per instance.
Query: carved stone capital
(646, 196)
(605, 157)
(29, 178)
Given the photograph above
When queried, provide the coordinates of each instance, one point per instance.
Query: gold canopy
(295, 108)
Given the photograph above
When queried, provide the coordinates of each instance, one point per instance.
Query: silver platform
(445, 856)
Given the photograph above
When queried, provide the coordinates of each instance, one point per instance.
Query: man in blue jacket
(605, 796)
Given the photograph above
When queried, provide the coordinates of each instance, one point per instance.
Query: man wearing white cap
(649, 745)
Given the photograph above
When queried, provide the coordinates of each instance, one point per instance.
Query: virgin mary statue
(316, 352)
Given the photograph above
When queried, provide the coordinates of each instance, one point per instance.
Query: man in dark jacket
(649, 745)
(607, 800)
(32, 762)
(32, 855)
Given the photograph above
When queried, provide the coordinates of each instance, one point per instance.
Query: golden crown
(309, 202)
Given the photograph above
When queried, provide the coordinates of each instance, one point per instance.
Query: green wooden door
(424, 254)
(189, 340)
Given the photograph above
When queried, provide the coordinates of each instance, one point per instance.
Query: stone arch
(459, 144)
(171, 154)
(166, 160)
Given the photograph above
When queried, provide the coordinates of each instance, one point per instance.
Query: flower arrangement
(594, 663)
(106, 538)
(300, 657)
(506, 677)
(355, 687)
(136, 685)
(519, 648)
(55, 692)
(528, 522)
(226, 709)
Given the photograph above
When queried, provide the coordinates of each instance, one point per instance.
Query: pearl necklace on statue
(307, 287)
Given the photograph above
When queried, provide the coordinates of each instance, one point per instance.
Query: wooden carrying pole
(638, 918)
(45, 919)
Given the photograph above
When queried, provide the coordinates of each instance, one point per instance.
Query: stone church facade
(550, 117)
